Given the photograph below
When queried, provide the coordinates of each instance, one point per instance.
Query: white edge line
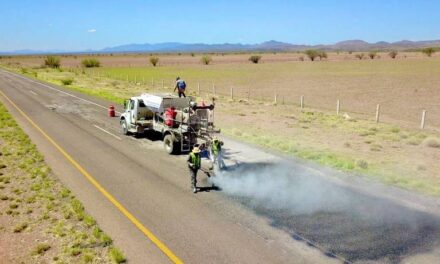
(32, 92)
(63, 92)
(105, 131)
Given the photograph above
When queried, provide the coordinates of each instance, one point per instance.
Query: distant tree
(393, 54)
(322, 55)
(360, 56)
(192, 54)
(312, 54)
(372, 55)
(154, 60)
(255, 58)
(52, 62)
(428, 51)
(206, 59)
(90, 63)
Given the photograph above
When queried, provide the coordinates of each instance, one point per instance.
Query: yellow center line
(101, 189)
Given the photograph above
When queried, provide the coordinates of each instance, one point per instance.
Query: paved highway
(153, 217)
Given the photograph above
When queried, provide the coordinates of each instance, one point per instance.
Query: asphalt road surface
(252, 219)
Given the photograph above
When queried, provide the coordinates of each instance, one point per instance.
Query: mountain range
(347, 45)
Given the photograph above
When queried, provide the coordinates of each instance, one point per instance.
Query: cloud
(91, 30)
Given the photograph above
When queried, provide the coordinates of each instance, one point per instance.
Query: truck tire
(168, 144)
(124, 127)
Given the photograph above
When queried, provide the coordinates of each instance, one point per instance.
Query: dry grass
(36, 207)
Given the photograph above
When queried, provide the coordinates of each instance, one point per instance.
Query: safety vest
(195, 159)
(215, 147)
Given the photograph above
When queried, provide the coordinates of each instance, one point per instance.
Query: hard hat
(196, 150)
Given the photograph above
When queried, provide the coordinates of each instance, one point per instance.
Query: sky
(73, 25)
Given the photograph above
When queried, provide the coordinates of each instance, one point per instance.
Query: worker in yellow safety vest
(216, 153)
(194, 164)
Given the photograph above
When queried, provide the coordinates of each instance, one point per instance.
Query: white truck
(180, 121)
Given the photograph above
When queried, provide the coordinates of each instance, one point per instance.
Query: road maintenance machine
(181, 123)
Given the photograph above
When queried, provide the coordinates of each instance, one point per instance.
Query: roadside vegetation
(154, 60)
(206, 60)
(52, 62)
(90, 63)
(255, 58)
(395, 154)
(41, 221)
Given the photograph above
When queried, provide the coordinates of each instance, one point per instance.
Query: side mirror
(125, 104)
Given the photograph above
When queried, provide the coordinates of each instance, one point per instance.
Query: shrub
(362, 164)
(192, 54)
(40, 249)
(24, 70)
(255, 58)
(322, 55)
(67, 81)
(206, 60)
(372, 55)
(312, 54)
(393, 54)
(432, 142)
(360, 56)
(52, 62)
(428, 51)
(90, 63)
(154, 60)
(116, 255)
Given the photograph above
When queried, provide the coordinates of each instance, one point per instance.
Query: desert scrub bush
(301, 58)
(40, 249)
(90, 63)
(431, 142)
(20, 227)
(362, 164)
(312, 54)
(206, 60)
(52, 62)
(360, 56)
(255, 58)
(322, 55)
(24, 70)
(116, 255)
(393, 54)
(428, 51)
(154, 60)
(372, 54)
(67, 81)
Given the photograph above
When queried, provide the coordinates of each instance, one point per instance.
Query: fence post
(213, 89)
(338, 106)
(162, 85)
(152, 81)
(302, 102)
(377, 113)
(135, 79)
(276, 98)
(198, 89)
(232, 93)
(249, 94)
(422, 125)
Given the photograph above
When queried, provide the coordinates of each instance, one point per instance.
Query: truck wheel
(168, 144)
(124, 127)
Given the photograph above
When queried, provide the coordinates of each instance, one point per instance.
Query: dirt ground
(403, 87)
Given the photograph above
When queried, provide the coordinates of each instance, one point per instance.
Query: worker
(194, 164)
(180, 87)
(216, 151)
